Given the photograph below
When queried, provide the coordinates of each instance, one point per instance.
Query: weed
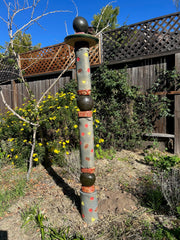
(163, 162)
(2, 156)
(105, 153)
(158, 232)
(123, 159)
(47, 231)
(7, 197)
(29, 215)
(151, 194)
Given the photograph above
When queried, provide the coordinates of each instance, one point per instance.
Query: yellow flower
(67, 141)
(12, 163)
(36, 159)
(67, 153)
(40, 144)
(58, 107)
(52, 118)
(94, 111)
(10, 139)
(12, 149)
(101, 140)
(97, 145)
(56, 151)
(75, 126)
(16, 157)
(96, 120)
(22, 129)
(35, 154)
(66, 107)
(25, 141)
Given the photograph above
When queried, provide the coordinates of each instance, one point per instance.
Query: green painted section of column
(83, 69)
(86, 142)
(89, 205)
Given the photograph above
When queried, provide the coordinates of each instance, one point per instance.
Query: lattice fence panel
(53, 59)
(8, 69)
(147, 38)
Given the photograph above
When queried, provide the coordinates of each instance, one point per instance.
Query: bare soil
(56, 192)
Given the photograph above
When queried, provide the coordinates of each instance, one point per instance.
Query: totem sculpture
(81, 41)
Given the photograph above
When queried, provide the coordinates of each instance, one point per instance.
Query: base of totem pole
(89, 205)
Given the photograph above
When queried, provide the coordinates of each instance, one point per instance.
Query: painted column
(81, 41)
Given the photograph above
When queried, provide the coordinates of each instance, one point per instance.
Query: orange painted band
(88, 189)
(84, 92)
(87, 170)
(85, 114)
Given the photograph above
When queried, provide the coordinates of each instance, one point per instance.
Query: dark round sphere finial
(80, 25)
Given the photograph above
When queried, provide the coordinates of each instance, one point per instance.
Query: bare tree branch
(33, 7)
(102, 14)
(37, 18)
(77, 13)
(57, 79)
(5, 3)
(16, 114)
(3, 20)
(32, 152)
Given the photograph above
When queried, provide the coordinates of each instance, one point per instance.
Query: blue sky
(54, 30)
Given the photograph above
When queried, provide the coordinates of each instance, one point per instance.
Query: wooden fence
(16, 93)
(54, 59)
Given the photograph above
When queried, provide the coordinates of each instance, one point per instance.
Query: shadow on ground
(67, 190)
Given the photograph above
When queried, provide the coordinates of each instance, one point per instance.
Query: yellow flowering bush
(57, 134)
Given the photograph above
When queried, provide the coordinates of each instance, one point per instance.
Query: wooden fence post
(14, 94)
(177, 111)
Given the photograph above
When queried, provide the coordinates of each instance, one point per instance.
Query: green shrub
(125, 113)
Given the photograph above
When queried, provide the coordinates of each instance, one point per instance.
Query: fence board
(37, 87)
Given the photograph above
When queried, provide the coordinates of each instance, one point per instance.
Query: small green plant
(2, 156)
(151, 195)
(105, 153)
(28, 214)
(34, 214)
(155, 199)
(158, 232)
(163, 162)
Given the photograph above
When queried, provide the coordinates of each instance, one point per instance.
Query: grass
(13, 185)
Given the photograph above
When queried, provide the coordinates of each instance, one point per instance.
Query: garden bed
(121, 183)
